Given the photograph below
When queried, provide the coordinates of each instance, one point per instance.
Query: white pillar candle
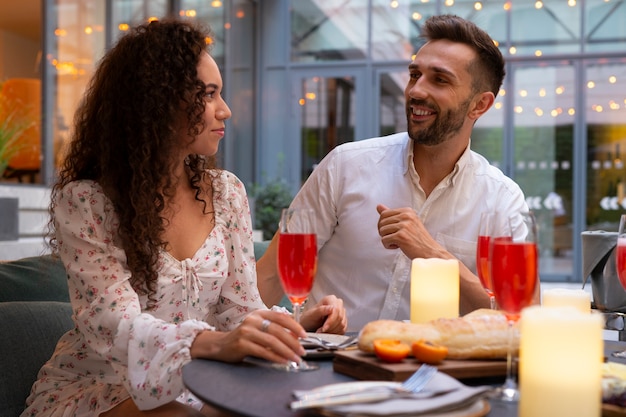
(561, 352)
(555, 297)
(434, 289)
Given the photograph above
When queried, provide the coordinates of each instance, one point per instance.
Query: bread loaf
(481, 334)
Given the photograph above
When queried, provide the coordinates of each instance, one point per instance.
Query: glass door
(330, 112)
(545, 128)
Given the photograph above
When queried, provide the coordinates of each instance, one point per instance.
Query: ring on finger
(265, 324)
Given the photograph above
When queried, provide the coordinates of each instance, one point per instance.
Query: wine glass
(620, 263)
(488, 223)
(514, 267)
(297, 263)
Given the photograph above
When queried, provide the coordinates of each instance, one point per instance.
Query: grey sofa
(34, 313)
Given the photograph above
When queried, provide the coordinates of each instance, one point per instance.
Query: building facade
(303, 76)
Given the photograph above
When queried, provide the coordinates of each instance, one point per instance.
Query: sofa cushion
(30, 331)
(37, 278)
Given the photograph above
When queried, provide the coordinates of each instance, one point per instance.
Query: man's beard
(444, 127)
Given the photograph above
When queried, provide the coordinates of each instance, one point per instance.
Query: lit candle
(560, 362)
(555, 297)
(434, 289)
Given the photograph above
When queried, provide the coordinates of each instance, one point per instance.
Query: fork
(348, 395)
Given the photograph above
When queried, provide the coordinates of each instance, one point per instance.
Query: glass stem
(297, 311)
(492, 301)
(509, 354)
(509, 389)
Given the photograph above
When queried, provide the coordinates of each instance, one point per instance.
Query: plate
(313, 351)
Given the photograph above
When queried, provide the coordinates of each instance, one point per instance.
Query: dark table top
(246, 389)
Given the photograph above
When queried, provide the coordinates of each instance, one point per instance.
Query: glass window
(392, 103)
(543, 105)
(128, 13)
(605, 25)
(489, 16)
(396, 27)
(488, 133)
(545, 27)
(79, 43)
(327, 114)
(605, 112)
(327, 30)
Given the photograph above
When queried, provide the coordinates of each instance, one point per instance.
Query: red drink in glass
(297, 264)
(621, 260)
(482, 263)
(482, 260)
(514, 272)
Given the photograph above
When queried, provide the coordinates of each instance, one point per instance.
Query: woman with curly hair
(156, 240)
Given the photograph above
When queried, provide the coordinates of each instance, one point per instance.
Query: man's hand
(402, 228)
(328, 316)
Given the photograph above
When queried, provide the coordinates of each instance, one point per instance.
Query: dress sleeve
(145, 352)
(239, 295)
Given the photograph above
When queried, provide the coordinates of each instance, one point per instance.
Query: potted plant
(269, 199)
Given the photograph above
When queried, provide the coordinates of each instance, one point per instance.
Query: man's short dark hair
(488, 70)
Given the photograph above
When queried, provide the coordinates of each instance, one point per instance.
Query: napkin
(442, 393)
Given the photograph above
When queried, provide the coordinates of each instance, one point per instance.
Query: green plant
(269, 200)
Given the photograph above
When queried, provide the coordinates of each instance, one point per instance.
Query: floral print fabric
(118, 349)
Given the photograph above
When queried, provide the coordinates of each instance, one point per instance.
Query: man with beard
(384, 201)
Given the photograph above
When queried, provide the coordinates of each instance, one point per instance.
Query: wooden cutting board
(366, 366)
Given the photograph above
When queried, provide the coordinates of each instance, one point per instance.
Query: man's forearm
(473, 295)
(267, 275)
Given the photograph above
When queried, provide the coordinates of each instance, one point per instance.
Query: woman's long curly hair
(127, 134)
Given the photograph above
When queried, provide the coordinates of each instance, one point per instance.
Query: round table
(246, 389)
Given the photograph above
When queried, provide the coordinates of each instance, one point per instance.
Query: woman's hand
(328, 316)
(264, 334)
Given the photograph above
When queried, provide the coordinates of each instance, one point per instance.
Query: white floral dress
(118, 350)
